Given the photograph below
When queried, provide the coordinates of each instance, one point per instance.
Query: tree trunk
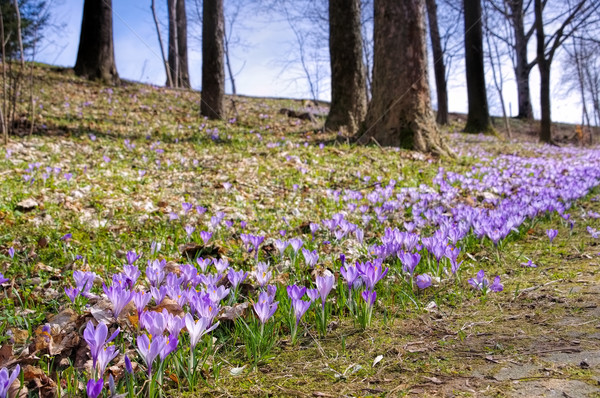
(439, 67)
(160, 43)
(96, 54)
(213, 68)
(178, 59)
(348, 85)
(173, 43)
(522, 67)
(546, 121)
(544, 68)
(400, 112)
(184, 74)
(478, 119)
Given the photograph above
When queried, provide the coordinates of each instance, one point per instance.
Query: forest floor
(111, 166)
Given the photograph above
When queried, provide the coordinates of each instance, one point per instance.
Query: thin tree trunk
(498, 79)
(348, 86)
(400, 110)
(19, 35)
(229, 69)
(4, 91)
(184, 72)
(478, 119)
(213, 68)
(544, 68)
(439, 67)
(522, 67)
(173, 43)
(160, 42)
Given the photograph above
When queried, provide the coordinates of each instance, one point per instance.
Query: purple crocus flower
(369, 297)
(314, 227)
(155, 272)
(70, 292)
(280, 246)
(221, 265)
(3, 279)
(265, 307)
(236, 277)
(350, 274)
(312, 294)
(529, 264)
(551, 234)
(7, 379)
(360, 235)
(423, 281)
(189, 230)
(296, 244)
(198, 328)
(154, 248)
(262, 273)
(216, 294)
(205, 236)
(131, 274)
(300, 307)
(256, 241)
(187, 207)
(84, 281)
(66, 237)
(94, 388)
(11, 252)
(96, 338)
(372, 273)
(325, 283)
(409, 261)
(141, 300)
(158, 294)
(203, 263)
(496, 285)
(128, 366)
(169, 346)
(296, 292)
(200, 210)
(153, 322)
(310, 258)
(150, 350)
(132, 257)
(106, 354)
(119, 297)
(479, 282)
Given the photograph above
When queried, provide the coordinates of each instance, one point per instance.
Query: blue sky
(262, 66)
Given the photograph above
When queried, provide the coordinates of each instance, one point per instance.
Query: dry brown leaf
(6, 353)
(27, 205)
(229, 313)
(171, 306)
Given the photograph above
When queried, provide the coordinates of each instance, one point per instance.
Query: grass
(137, 152)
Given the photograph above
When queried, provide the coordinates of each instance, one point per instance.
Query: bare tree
(439, 67)
(478, 118)
(495, 62)
(160, 42)
(213, 69)
(178, 57)
(582, 74)
(400, 111)
(348, 86)
(568, 20)
(519, 16)
(96, 54)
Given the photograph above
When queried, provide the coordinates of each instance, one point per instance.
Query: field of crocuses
(147, 252)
